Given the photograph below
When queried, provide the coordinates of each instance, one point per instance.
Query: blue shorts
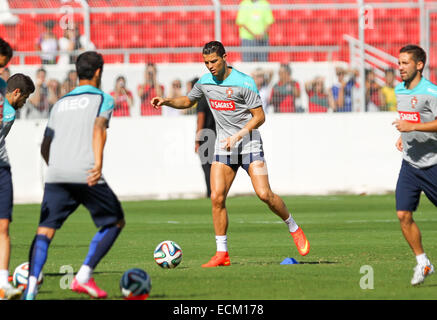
(411, 182)
(6, 193)
(62, 199)
(240, 160)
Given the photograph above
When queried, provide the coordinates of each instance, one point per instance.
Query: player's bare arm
(258, 118)
(176, 103)
(99, 140)
(45, 148)
(406, 126)
(399, 144)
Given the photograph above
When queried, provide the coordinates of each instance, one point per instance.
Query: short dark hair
(417, 53)
(286, 67)
(214, 46)
(5, 49)
(22, 82)
(88, 63)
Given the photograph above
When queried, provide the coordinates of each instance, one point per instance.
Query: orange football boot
(302, 244)
(221, 258)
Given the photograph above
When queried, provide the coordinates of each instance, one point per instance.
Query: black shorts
(240, 160)
(411, 182)
(62, 199)
(6, 193)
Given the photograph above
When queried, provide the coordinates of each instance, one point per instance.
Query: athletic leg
(221, 177)
(260, 180)
(107, 214)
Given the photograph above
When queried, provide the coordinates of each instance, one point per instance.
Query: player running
(417, 107)
(73, 149)
(18, 89)
(237, 110)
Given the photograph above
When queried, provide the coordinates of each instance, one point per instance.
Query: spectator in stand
(175, 92)
(319, 100)
(70, 43)
(374, 96)
(262, 80)
(342, 90)
(53, 92)
(254, 19)
(123, 98)
(286, 93)
(5, 73)
(388, 91)
(48, 44)
(70, 82)
(67, 45)
(151, 88)
(38, 106)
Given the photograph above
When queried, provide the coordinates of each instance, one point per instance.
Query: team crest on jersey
(413, 102)
(229, 92)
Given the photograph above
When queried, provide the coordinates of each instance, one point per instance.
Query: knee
(265, 195)
(405, 217)
(217, 199)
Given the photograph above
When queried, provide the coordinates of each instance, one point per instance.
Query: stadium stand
(111, 29)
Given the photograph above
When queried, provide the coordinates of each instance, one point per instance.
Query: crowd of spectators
(283, 95)
(68, 45)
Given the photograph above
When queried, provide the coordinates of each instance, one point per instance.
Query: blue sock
(38, 254)
(100, 245)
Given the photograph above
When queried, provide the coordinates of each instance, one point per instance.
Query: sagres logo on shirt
(222, 105)
(410, 116)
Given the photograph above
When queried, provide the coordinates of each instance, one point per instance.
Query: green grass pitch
(345, 232)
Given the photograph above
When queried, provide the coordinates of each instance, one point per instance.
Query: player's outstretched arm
(99, 140)
(176, 103)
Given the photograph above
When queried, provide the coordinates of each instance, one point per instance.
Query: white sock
(222, 243)
(292, 225)
(422, 259)
(84, 274)
(32, 284)
(4, 274)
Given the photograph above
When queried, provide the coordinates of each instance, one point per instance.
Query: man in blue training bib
(73, 150)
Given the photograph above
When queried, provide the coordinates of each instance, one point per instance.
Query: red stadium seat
(105, 35)
(10, 35)
(113, 58)
(201, 34)
(153, 35)
(177, 34)
(146, 58)
(278, 34)
(230, 35)
(130, 36)
(282, 57)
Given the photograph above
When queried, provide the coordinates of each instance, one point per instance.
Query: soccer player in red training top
(237, 110)
(417, 106)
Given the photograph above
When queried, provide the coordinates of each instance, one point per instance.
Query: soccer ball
(21, 274)
(168, 254)
(135, 284)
